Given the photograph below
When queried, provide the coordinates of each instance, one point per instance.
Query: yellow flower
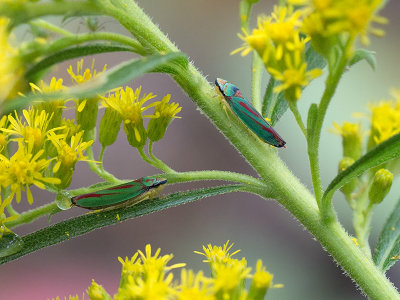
(24, 169)
(144, 276)
(130, 105)
(97, 292)
(280, 44)
(195, 286)
(229, 278)
(217, 254)
(11, 69)
(86, 109)
(351, 139)
(33, 130)
(385, 120)
(332, 18)
(164, 112)
(3, 136)
(294, 77)
(68, 154)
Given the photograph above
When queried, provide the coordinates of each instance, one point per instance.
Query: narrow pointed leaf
(71, 53)
(388, 248)
(68, 229)
(382, 153)
(364, 54)
(110, 79)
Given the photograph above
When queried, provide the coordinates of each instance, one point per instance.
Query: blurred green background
(207, 32)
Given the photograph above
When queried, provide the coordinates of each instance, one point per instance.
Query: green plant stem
(362, 214)
(295, 111)
(292, 194)
(99, 169)
(313, 144)
(31, 215)
(256, 72)
(159, 162)
(51, 27)
(11, 210)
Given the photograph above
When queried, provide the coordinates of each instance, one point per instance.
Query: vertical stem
(313, 145)
(296, 113)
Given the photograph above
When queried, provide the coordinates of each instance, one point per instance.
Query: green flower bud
(380, 186)
(349, 187)
(166, 112)
(135, 133)
(97, 292)
(351, 139)
(110, 125)
(86, 113)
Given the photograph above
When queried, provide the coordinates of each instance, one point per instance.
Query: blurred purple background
(206, 32)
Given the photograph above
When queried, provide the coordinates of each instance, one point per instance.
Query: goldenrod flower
(385, 120)
(54, 107)
(86, 109)
(129, 104)
(33, 130)
(262, 282)
(380, 186)
(164, 113)
(195, 286)
(328, 20)
(11, 69)
(3, 135)
(294, 77)
(97, 292)
(281, 46)
(352, 138)
(68, 154)
(217, 254)
(144, 276)
(24, 169)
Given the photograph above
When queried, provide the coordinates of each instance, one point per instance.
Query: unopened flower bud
(135, 133)
(349, 187)
(97, 292)
(380, 186)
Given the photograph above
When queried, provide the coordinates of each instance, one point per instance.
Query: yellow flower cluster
(281, 38)
(128, 106)
(145, 276)
(278, 41)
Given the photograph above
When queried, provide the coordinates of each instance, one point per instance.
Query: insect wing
(255, 121)
(112, 196)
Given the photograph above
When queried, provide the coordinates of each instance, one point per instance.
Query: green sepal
(136, 134)
(110, 125)
(88, 116)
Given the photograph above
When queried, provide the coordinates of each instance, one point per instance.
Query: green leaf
(108, 80)
(70, 53)
(389, 241)
(382, 153)
(364, 54)
(275, 105)
(68, 229)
